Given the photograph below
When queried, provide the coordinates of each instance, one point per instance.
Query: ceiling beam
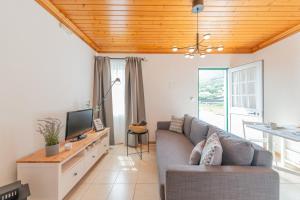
(51, 8)
(277, 38)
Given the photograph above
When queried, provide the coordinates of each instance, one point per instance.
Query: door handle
(252, 113)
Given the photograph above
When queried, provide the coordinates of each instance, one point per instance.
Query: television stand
(51, 178)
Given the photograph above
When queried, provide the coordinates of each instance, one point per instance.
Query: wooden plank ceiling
(154, 26)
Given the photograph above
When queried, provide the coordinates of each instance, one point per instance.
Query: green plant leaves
(50, 128)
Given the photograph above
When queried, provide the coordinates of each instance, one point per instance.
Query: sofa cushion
(196, 153)
(172, 149)
(176, 124)
(212, 151)
(213, 129)
(198, 131)
(261, 157)
(236, 151)
(187, 124)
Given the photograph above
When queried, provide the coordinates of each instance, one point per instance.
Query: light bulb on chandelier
(209, 49)
(174, 49)
(220, 48)
(206, 36)
(202, 55)
(191, 49)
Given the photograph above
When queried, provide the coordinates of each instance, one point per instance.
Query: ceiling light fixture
(206, 36)
(209, 49)
(187, 55)
(198, 47)
(174, 49)
(220, 48)
(191, 49)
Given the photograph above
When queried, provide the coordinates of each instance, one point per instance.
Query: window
(118, 99)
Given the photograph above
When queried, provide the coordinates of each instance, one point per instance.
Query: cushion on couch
(196, 153)
(261, 157)
(236, 151)
(212, 152)
(187, 124)
(176, 124)
(213, 129)
(199, 131)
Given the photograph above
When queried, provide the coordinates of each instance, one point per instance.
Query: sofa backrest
(187, 124)
(236, 150)
(199, 130)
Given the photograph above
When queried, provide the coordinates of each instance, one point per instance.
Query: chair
(14, 191)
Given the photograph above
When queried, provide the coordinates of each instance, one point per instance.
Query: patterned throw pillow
(176, 124)
(196, 153)
(212, 151)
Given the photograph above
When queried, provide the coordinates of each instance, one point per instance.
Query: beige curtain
(102, 84)
(134, 95)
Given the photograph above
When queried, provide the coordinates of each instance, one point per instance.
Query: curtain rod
(143, 59)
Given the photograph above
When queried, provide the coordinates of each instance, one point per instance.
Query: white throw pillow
(196, 153)
(212, 151)
(176, 124)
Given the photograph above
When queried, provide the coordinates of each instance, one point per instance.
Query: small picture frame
(98, 125)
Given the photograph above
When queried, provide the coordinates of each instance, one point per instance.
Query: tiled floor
(119, 177)
(289, 186)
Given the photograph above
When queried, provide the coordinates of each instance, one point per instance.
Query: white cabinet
(71, 176)
(52, 178)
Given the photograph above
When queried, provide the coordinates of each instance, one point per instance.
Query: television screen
(79, 122)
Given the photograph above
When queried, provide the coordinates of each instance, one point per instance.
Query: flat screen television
(78, 123)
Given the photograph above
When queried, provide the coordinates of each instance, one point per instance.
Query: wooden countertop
(40, 157)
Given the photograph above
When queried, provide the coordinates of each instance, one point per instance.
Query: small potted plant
(50, 128)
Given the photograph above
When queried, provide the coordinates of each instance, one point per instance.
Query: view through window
(213, 97)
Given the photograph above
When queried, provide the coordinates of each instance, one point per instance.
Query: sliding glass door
(212, 97)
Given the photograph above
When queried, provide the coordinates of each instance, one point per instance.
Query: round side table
(138, 137)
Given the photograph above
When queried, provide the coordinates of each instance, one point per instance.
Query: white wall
(282, 80)
(170, 81)
(43, 72)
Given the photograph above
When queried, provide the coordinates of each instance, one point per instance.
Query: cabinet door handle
(75, 174)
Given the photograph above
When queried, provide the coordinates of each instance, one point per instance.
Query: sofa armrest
(221, 182)
(163, 125)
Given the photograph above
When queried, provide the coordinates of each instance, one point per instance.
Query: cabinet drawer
(92, 156)
(72, 176)
(105, 142)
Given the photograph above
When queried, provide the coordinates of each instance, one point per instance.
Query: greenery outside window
(213, 97)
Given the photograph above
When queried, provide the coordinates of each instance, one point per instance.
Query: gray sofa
(245, 173)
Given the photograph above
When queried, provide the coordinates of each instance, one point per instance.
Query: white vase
(52, 150)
